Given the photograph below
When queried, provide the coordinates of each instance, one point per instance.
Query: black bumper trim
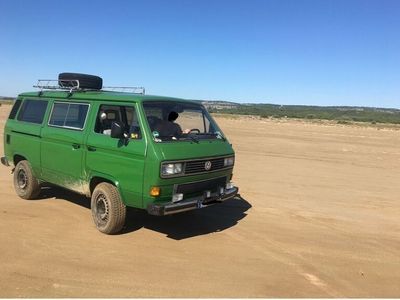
(168, 208)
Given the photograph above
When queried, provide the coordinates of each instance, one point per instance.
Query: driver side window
(124, 115)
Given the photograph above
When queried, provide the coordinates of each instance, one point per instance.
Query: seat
(104, 125)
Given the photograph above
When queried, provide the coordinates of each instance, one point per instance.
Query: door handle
(91, 148)
(76, 146)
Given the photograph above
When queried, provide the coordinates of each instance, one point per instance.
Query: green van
(122, 149)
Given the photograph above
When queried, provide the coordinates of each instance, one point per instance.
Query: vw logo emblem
(207, 165)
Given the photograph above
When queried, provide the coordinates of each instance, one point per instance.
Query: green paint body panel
(61, 156)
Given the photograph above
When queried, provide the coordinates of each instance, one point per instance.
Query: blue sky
(288, 52)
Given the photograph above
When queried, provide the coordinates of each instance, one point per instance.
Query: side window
(76, 115)
(58, 114)
(125, 115)
(69, 115)
(32, 111)
(15, 108)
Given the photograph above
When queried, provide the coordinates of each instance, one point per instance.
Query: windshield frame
(190, 137)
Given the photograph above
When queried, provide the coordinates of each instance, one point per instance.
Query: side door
(119, 160)
(62, 145)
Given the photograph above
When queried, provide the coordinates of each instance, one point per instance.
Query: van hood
(188, 150)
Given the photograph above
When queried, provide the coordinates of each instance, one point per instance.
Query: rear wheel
(25, 183)
(108, 210)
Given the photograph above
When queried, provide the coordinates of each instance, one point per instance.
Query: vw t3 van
(122, 149)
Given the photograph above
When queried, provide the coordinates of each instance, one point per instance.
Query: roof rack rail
(133, 89)
(71, 85)
(54, 84)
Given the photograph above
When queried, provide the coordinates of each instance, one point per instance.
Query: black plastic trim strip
(25, 133)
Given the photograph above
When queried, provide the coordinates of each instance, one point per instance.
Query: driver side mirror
(117, 130)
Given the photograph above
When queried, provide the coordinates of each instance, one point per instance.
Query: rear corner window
(14, 109)
(32, 111)
(69, 115)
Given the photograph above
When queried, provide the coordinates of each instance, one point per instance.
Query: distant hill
(342, 114)
(219, 105)
(2, 98)
(6, 100)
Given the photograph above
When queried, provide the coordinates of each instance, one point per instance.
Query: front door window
(124, 115)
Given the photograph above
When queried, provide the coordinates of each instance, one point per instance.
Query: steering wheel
(194, 130)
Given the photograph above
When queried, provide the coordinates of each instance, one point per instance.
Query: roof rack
(74, 85)
(133, 89)
(54, 84)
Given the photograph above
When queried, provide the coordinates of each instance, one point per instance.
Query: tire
(86, 81)
(108, 210)
(25, 183)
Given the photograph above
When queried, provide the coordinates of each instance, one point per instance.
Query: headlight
(229, 161)
(171, 169)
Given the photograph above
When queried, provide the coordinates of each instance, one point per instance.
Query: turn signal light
(155, 191)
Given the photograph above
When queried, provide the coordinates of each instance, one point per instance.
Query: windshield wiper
(173, 138)
(193, 138)
(167, 138)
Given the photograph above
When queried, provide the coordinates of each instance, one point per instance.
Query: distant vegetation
(6, 100)
(341, 114)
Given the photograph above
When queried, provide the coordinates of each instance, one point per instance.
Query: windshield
(177, 121)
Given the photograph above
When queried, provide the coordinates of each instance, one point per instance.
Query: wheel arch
(17, 158)
(95, 179)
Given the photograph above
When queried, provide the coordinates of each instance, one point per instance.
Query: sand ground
(318, 217)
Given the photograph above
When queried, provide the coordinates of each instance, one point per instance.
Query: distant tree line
(342, 114)
(6, 100)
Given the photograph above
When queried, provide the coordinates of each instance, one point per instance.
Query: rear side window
(69, 115)
(32, 111)
(15, 108)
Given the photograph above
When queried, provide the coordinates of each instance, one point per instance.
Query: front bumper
(4, 161)
(168, 208)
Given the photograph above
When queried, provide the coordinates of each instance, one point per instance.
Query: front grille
(199, 166)
(201, 186)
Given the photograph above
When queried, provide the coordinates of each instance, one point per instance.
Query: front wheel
(25, 183)
(108, 210)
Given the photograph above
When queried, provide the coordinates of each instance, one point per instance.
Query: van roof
(100, 95)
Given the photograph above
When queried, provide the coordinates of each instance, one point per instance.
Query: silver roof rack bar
(74, 85)
(133, 89)
(54, 84)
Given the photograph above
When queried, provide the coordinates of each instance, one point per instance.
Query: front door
(119, 160)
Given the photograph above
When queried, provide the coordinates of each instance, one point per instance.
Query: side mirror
(116, 130)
